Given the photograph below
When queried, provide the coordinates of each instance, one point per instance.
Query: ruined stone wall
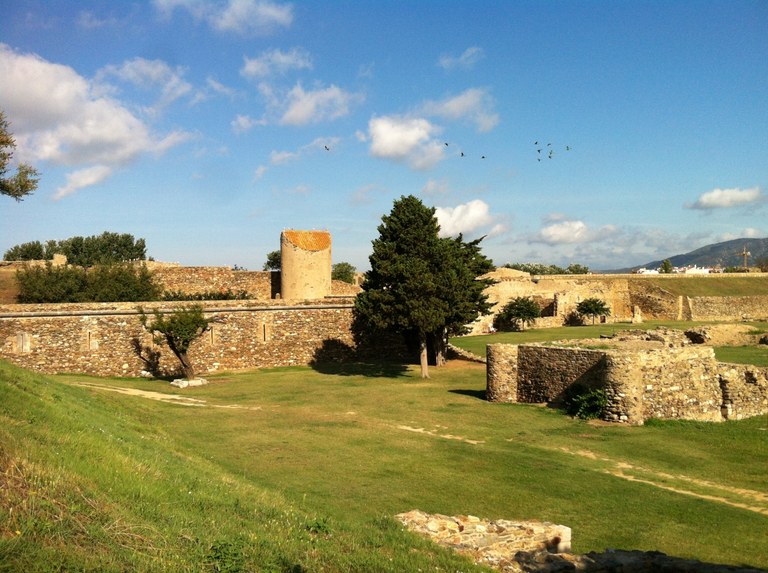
(545, 373)
(729, 307)
(101, 339)
(745, 390)
(683, 382)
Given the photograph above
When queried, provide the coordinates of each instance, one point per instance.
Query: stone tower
(305, 264)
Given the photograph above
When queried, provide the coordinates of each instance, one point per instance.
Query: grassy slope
(100, 482)
(339, 449)
(731, 285)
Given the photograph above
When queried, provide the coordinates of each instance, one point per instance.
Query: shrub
(228, 294)
(101, 283)
(585, 403)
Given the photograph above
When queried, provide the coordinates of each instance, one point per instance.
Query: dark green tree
(274, 261)
(666, 266)
(593, 307)
(460, 285)
(179, 329)
(517, 313)
(417, 279)
(33, 251)
(343, 272)
(24, 182)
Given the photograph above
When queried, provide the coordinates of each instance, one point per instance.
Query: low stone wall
(728, 307)
(261, 285)
(545, 373)
(660, 380)
(108, 339)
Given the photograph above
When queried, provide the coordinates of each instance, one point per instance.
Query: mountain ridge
(723, 254)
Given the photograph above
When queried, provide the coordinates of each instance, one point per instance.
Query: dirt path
(168, 398)
(750, 500)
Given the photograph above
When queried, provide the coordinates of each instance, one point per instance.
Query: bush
(101, 283)
(585, 403)
(229, 294)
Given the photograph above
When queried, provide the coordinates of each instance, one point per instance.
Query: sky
(603, 133)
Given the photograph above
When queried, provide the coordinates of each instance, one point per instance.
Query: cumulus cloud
(466, 218)
(244, 17)
(59, 116)
(725, 198)
(474, 105)
(275, 61)
(558, 230)
(465, 61)
(314, 106)
(404, 139)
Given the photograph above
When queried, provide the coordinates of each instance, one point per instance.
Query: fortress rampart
(108, 339)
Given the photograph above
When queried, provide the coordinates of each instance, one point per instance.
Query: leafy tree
(274, 261)
(577, 269)
(517, 313)
(106, 248)
(666, 267)
(24, 182)
(343, 272)
(419, 285)
(33, 251)
(179, 329)
(593, 307)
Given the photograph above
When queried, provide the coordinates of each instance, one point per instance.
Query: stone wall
(260, 285)
(545, 373)
(728, 308)
(663, 381)
(102, 339)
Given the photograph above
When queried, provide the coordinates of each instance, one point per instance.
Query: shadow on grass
(338, 358)
(479, 394)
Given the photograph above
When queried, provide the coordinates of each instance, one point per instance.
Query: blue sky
(605, 133)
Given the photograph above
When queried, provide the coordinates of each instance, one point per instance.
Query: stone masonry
(645, 375)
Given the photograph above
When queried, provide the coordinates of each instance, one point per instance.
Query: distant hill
(725, 254)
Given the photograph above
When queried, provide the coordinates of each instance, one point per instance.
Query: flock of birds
(550, 151)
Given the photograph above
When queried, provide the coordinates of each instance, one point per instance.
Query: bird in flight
(327, 148)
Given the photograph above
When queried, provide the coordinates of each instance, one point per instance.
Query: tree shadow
(479, 394)
(341, 359)
(151, 359)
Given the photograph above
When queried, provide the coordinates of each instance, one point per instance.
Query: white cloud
(150, 75)
(276, 61)
(244, 17)
(435, 187)
(259, 172)
(243, 123)
(465, 61)
(409, 140)
(474, 105)
(59, 117)
(282, 157)
(317, 105)
(725, 198)
(558, 230)
(90, 21)
(464, 218)
(83, 178)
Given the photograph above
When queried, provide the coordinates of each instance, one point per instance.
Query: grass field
(730, 285)
(295, 469)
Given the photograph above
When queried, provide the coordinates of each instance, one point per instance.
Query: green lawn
(294, 469)
(713, 285)
(477, 344)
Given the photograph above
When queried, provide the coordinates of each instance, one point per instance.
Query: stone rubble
(541, 547)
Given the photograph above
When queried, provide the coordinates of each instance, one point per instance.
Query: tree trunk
(186, 364)
(441, 347)
(423, 355)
